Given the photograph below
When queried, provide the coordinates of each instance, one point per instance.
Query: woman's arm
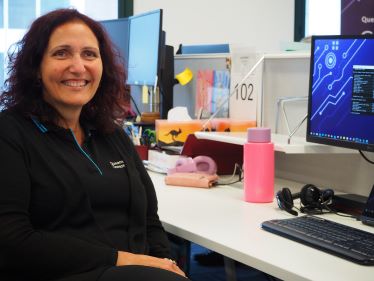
(156, 236)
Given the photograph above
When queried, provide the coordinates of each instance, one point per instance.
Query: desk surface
(220, 220)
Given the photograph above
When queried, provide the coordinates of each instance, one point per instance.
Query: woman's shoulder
(9, 118)
(11, 123)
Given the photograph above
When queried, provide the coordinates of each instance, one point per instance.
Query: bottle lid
(258, 135)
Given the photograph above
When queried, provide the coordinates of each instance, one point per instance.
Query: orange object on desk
(220, 124)
(231, 125)
(241, 125)
(175, 133)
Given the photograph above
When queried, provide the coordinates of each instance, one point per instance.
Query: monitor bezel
(328, 141)
(159, 56)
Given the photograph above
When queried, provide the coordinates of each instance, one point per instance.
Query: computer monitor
(145, 39)
(341, 92)
(118, 30)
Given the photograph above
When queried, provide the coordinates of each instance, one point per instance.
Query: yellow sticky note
(145, 94)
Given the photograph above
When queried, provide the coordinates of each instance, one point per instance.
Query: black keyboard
(334, 238)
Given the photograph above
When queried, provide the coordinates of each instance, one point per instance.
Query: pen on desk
(140, 134)
(133, 137)
(155, 86)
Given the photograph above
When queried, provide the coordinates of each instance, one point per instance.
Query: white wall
(101, 10)
(260, 23)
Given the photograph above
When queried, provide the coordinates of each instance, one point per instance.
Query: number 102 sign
(245, 96)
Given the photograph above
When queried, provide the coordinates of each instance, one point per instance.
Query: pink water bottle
(258, 164)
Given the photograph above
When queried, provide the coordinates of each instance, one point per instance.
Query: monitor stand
(352, 204)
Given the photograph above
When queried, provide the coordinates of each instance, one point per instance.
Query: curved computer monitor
(341, 92)
(145, 40)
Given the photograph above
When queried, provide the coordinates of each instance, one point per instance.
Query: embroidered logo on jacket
(118, 165)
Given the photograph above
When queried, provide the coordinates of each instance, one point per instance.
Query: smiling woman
(71, 70)
(66, 212)
(30, 79)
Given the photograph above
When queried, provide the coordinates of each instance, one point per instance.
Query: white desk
(220, 220)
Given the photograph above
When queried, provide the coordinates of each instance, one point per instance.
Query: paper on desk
(179, 113)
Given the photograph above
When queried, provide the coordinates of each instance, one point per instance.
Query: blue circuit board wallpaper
(342, 89)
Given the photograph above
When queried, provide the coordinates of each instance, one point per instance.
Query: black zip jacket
(65, 210)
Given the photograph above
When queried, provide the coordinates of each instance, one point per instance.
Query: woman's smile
(75, 83)
(71, 67)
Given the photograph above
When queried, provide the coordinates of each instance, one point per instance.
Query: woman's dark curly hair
(23, 89)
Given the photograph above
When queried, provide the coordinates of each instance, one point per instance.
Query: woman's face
(71, 67)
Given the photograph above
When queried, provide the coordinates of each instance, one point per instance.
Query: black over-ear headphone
(312, 199)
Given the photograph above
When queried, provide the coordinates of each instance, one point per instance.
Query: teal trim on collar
(84, 153)
(40, 126)
(88, 128)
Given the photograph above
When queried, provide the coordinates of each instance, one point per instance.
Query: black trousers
(139, 273)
